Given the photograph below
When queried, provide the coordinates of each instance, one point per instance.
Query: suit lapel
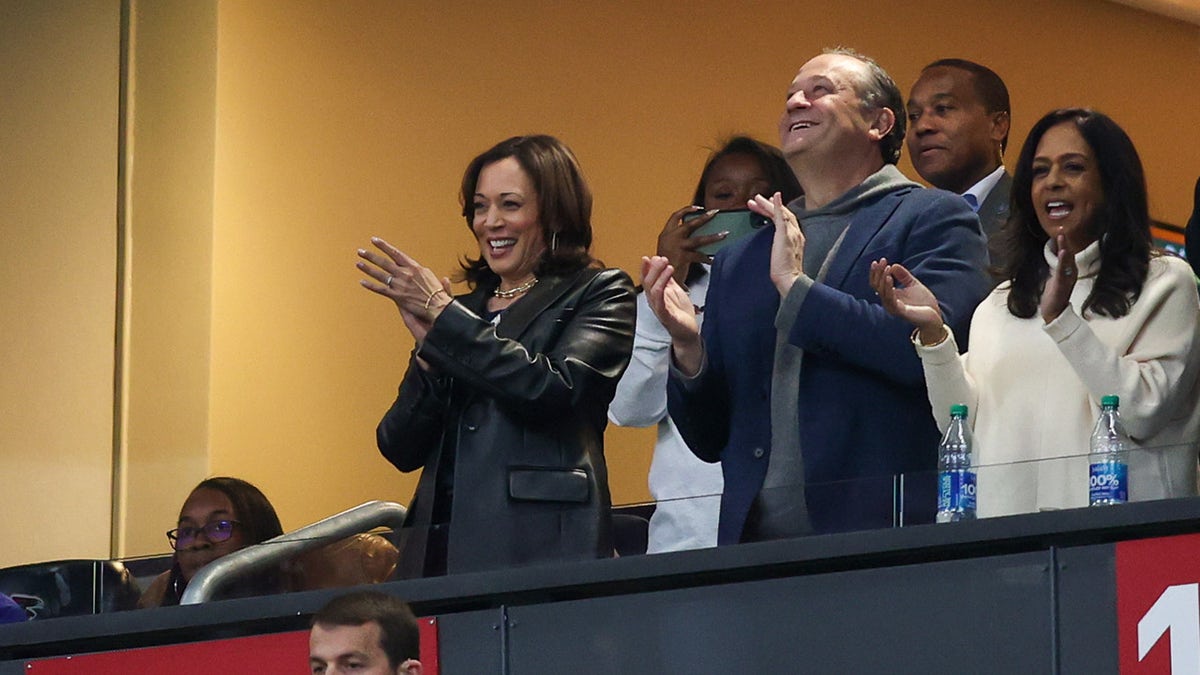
(994, 211)
(863, 227)
(997, 199)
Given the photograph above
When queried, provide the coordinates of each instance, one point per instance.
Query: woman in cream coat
(1086, 309)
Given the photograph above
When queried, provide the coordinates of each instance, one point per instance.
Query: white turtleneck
(1034, 390)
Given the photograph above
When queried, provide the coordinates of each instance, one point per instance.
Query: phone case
(738, 222)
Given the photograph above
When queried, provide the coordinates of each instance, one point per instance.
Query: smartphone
(738, 222)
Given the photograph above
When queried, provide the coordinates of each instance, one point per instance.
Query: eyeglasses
(216, 531)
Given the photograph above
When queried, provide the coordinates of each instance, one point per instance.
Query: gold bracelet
(916, 337)
(432, 296)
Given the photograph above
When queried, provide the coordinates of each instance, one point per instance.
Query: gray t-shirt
(779, 510)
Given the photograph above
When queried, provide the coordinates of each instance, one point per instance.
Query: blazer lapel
(476, 300)
(993, 213)
(548, 290)
(863, 227)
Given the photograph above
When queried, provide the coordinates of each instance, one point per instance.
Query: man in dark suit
(809, 394)
(958, 117)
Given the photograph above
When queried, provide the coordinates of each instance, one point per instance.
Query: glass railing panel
(78, 587)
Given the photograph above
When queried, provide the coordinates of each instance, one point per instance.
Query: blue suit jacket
(863, 412)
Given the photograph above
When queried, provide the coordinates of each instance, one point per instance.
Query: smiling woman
(505, 221)
(503, 405)
(1087, 310)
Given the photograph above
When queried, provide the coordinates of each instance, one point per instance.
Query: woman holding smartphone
(688, 490)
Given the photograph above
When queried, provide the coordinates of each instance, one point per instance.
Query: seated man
(367, 633)
(801, 385)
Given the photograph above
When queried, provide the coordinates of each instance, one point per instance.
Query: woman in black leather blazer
(503, 405)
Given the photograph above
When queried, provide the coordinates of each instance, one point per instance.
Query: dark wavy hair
(564, 204)
(258, 521)
(1122, 224)
(879, 90)
(399, 637)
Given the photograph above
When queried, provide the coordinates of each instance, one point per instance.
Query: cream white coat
(1034, 391)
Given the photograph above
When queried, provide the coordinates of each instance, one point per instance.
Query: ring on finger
(388, 283)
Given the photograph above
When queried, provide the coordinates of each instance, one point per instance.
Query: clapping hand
(904, 296)
(1057, 294)
(418, 293)
(787, 249)
(674, 309)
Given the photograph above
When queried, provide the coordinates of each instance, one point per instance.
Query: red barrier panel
(274, 654)
(1158, 605)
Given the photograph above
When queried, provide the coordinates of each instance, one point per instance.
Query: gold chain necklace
(514, 292)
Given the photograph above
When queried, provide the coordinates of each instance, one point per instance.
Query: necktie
(972, 202)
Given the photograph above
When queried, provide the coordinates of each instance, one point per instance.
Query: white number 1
(1177, 610)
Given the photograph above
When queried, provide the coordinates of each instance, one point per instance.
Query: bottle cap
(958, 410)
(1112, 400)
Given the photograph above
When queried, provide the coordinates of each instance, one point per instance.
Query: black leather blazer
(518, 410)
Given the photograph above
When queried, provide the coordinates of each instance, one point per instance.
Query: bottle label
(956, 491)
(1108, 483)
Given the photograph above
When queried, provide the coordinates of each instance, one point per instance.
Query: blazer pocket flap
(548, 485)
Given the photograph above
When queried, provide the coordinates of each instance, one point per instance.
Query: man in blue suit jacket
(806, 391)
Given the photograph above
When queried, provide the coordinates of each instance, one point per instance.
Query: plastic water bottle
(956, 477)
(1108, 482)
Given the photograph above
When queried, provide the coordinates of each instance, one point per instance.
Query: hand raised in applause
(418, 293)
(679, 247)
(674, 309)
(787, 249)
(904, 296)
(1057, 294)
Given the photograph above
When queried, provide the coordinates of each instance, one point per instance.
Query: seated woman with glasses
(220, 516)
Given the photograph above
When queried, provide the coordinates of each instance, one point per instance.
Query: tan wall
(168, 307)
(337, 121)
(58, 225)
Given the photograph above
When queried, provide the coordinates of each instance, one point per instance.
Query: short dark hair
(877, 91)
(399, 636)
(990, 89)
(1122, 223)
(564, 203)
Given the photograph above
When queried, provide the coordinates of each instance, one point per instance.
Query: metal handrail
(220, 572)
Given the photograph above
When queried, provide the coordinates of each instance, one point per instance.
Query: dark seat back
(70, 587)
(631, 534)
